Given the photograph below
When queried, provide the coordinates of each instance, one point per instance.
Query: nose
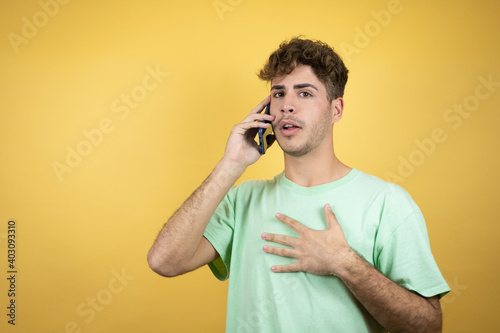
(288, 106)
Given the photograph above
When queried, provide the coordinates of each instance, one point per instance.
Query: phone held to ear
(265, 134)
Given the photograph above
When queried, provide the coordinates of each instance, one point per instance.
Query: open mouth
(289, 127)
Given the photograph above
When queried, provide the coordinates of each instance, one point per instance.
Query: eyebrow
(297, 86)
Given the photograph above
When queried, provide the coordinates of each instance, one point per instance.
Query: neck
(315, 168)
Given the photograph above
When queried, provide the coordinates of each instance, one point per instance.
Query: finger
(279, 251)
(296, 226)
(258, 117)
(330, 217)
(244, 126)
(260, 107)
(280, 239)
(295, 267)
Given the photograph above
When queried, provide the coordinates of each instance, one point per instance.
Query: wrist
(350, 264)
(232, 167)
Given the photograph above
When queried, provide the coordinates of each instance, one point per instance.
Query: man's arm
(180, 246)
(394, 307)
(326, 252)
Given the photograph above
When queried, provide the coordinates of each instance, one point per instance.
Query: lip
(287, 122)
(291, 130)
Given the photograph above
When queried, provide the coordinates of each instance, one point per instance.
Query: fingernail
(274, 268)
(328, 207)
(265, 248)
(264, 235)
(278, 215)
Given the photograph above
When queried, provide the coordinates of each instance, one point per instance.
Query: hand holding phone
(266, 135)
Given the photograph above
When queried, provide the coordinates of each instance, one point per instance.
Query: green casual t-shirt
(380, 221)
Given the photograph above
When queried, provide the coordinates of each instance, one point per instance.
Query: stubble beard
(316, 134)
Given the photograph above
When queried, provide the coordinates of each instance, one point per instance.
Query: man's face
(303, 114)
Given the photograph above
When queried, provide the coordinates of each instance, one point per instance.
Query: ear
(337, 109)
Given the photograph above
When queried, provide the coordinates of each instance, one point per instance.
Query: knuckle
(280, 251)
(307, 233)
(301, 243)
(282, 239)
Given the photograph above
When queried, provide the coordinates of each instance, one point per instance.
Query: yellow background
(74, 235)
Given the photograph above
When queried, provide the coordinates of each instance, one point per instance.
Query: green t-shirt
(380, 221)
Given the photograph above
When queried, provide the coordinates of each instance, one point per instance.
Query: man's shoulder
(371, 183)
(255, 185)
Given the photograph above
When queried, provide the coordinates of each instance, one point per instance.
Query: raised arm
(180, 246)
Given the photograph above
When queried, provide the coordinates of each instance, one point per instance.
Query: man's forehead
(302, 74)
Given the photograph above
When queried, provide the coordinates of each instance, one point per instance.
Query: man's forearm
(180, 237)
(180, 246)
(394, 307)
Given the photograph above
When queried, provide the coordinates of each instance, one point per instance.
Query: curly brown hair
(326, 64)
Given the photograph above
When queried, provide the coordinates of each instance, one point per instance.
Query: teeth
(287, 126)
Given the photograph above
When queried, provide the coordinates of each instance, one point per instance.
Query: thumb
(330, 218)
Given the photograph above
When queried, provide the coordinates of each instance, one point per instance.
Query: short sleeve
(219, 232)
(403, 251)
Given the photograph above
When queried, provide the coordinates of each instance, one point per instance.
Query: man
(295, 265)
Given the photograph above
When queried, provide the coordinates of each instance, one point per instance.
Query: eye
(278, 94)
(305, 94)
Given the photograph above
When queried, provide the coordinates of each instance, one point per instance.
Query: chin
(293, 151)
(296, 151)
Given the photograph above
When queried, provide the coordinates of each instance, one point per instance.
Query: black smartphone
(265, 134)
